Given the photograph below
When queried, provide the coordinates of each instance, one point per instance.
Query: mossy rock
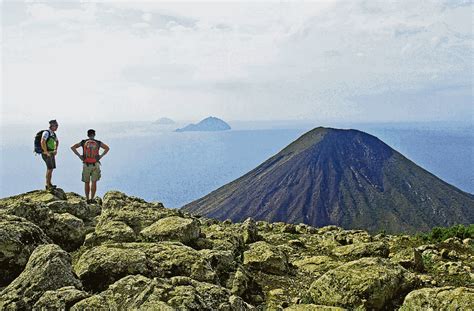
(18, 239)
(316, 265)
(443, 298)
(49, 268)
(266, 258)
(67, 231)
(36, 196)
(107, 263)
(359, 250)
(138, 292)
(110, 231)
(103, 265)
(312, 307)
(60, 299)
(368, 283)
(174, 228)
(64, 229)
(77, 206)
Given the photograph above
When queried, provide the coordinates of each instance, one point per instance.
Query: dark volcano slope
(340, 177)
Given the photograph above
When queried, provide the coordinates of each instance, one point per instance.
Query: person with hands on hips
(91, 162)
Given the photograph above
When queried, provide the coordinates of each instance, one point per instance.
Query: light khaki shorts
(91, 172)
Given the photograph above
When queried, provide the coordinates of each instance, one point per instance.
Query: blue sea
(155, 163)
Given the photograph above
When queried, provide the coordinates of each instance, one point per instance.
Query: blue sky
(363, 61)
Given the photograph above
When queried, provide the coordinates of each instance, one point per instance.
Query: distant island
(164, 121)
(210, 124)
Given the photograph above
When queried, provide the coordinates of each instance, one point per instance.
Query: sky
(359, 61)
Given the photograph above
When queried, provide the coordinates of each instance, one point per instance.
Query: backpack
(37, 148)
(91, 150)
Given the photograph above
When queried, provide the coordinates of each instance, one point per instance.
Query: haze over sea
(153, 162)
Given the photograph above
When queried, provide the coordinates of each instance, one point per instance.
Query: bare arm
(43, 147)
(74, 149)
(106, 149)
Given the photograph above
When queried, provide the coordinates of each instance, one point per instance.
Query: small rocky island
(210, 124)
(123, 253)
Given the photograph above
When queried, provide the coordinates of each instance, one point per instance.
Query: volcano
(340, 177)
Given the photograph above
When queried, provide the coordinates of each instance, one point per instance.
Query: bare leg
(49, 174)
(93, 189)
(87, 190)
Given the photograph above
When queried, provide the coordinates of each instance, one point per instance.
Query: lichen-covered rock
(36, 196)
(77, 206)
(313, 307)
(359, 250)
(18, 239)
(266, 258)
(107, 263)
(442, 298)
(368, 283)
(409, 258)
(250, 231)
(222, 237)
(316, 265)
(60, 299)
(346, 237)
(49, 268)
(174, 228)
(222, 262)
(123, 218)
(455, 268)
(110, 231)
(66, 230)
(141, 293)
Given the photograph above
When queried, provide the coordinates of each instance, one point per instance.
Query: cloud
(246, 60)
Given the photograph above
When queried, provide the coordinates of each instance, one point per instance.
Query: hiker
(91, 159)
(46, 143)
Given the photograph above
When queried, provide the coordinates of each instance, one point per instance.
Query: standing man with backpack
(91, 167)
(46, 143)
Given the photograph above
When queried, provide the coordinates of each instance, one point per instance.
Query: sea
(151, 161)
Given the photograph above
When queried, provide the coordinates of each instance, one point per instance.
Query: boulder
(223, 237)
(139, 292)
(49, 268)
(18, 239)
(249, 231)
(266, 258)
(107, 263)
(368, 283)
(61, 299)
(316, 265)
(36, 196)
(64, 229)
(222, 262)
(77, 206)
(442, 298)
(110, 231)
(242, 284)
(359, 250)
(312, 307)
(103, 265)
(174, 228)
(409, 258)
(120, 213)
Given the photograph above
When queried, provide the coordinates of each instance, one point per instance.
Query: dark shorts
(50, 161)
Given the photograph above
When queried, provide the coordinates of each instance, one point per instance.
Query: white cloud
(246, 60)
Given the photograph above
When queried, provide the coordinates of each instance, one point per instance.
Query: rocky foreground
(57, 252)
